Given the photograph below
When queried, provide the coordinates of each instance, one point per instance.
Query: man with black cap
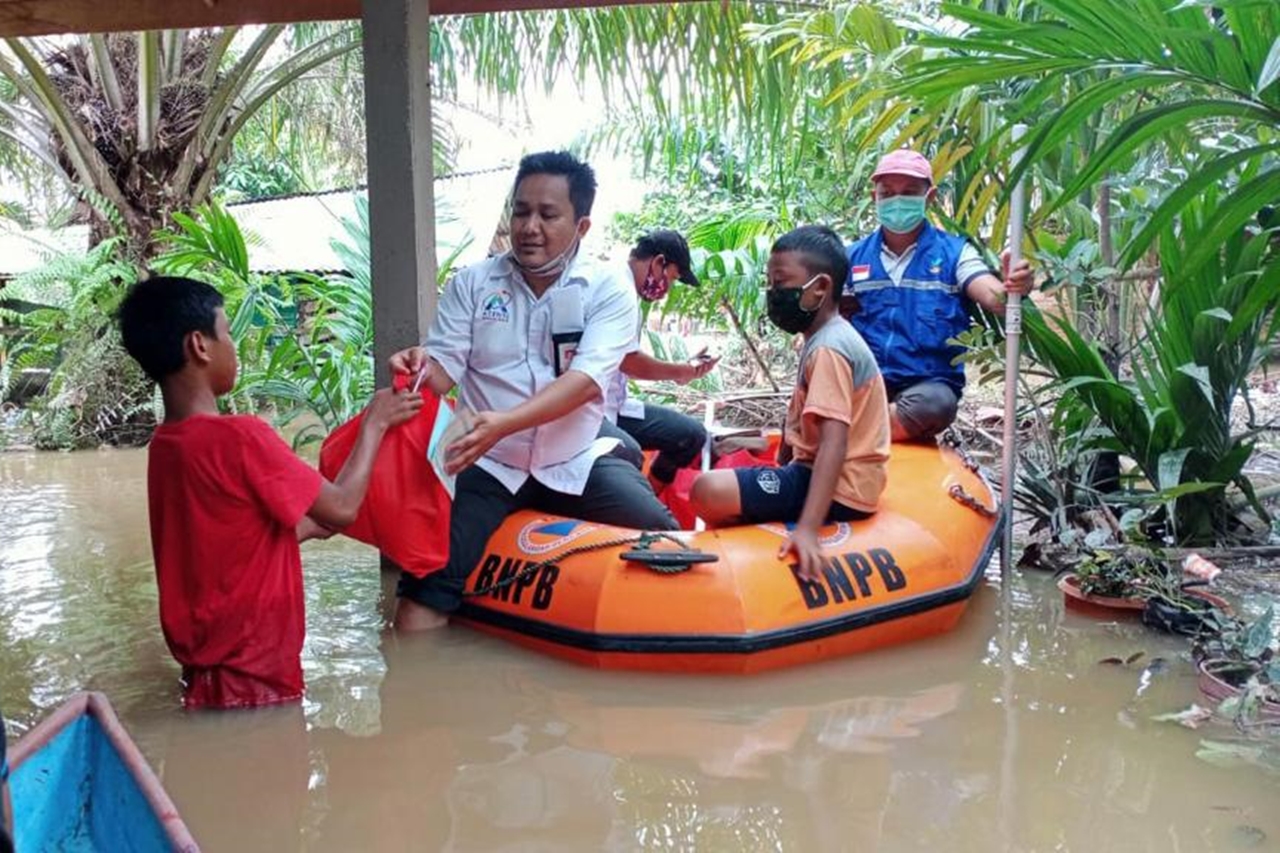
(659, 259)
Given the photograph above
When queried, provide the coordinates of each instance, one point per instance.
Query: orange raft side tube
(906, 572)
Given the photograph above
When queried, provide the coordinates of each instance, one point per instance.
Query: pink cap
(904, 161)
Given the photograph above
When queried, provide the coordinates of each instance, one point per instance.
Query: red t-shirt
(226, 494)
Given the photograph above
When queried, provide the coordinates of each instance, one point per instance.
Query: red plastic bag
(676, 495)
(405, 513)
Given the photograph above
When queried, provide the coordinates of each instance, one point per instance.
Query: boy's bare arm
(833, 443)
(309, 529)
(339, 501)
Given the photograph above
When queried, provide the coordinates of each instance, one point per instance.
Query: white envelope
(450, 425)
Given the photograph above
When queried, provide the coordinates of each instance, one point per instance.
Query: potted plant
(1111, 581)
(1239, 668)
(1139, 581)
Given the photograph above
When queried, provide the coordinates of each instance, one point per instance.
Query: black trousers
(677, 437)
(616, 493)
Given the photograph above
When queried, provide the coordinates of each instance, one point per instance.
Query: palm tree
(141, 122)
(1171, 75)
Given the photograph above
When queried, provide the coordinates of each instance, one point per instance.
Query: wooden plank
(45, 17)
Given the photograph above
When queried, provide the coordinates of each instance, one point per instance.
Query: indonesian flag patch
(860, 272)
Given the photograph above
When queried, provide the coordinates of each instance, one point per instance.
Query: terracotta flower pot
(1105, 605)
(1218, 689)
(1099, 605)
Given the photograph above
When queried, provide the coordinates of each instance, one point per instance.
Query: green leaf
(1257, 638)
(1200, 374)
(1181, 491)
(244, 315)
(1270, 69)
(1169, 468)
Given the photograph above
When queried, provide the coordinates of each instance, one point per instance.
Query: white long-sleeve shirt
(494, 338)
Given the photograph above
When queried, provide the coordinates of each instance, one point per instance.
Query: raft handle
(667, 562)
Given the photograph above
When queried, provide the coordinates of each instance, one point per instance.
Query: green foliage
(1129, 572)
(144, 120)
(1243, 654)
(316, 374)
(209, 246)
(96, 394)
(672, 348)
(1111, 80)
(325, 372)
(1173, 415)
(729, 257)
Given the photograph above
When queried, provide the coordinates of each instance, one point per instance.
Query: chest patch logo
(497, 307)
(860, 272)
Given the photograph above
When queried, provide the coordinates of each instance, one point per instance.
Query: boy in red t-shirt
(229, 503)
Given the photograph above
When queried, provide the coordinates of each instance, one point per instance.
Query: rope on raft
(642, 542)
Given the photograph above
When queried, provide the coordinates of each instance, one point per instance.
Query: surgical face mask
(901, 214)
(785, 310)
(555, 266)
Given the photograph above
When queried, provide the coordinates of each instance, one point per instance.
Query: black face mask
(785, 310)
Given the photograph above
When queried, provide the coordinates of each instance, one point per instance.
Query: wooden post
(397, 65)
(402, 226)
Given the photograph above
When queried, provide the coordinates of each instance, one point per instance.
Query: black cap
(671, 246)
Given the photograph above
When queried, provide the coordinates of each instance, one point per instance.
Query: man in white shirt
(658, 260)
(532, 340)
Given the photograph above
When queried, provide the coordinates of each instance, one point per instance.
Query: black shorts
(777, 494)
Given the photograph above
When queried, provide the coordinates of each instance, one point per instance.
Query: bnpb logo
(541, 536)
(827, 537)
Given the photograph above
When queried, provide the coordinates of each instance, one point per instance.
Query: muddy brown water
(456, 741)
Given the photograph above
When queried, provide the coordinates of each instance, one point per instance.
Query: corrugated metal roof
(22, 251)
(293, 233)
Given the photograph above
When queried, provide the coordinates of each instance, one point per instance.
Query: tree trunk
(751, 346)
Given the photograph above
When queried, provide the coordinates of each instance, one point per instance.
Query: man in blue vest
(909, 290)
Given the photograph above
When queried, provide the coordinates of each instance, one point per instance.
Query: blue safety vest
(907, 325)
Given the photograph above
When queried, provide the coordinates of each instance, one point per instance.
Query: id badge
(567, 324)
(566, 347)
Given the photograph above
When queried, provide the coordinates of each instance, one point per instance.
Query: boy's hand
(309, 529)
(803, 542)
(408, 361)
(487, 429)
(388, 408)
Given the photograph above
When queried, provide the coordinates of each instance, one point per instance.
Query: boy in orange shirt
(229, 503)
(836, 439)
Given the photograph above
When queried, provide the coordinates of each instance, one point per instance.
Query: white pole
(708, 418)
(1013, 335)
(1012, 345)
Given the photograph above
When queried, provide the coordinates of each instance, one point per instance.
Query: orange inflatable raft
(562, 586)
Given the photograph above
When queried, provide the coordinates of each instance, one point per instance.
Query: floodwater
(456, 741)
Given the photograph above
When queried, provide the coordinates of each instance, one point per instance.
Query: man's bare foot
(412, 616)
